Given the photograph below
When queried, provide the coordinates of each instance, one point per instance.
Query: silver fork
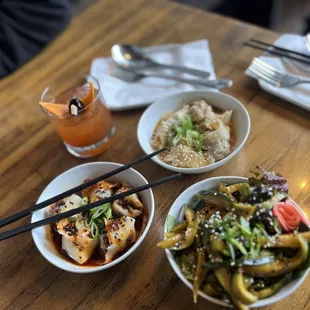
(273, 76)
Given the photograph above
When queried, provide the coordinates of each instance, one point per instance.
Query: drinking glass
(88, 133)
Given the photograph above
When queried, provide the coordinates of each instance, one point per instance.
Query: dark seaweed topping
(260, 194)
(266, 218)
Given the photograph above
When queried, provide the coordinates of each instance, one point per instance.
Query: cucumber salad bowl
(238, 242)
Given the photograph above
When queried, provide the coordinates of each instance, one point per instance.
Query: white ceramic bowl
(176, 211)
(74, 177)
(150, 117)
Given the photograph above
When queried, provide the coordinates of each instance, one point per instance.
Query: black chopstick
(253, 45)
(280, 48)
(52, 219)
(15, 217)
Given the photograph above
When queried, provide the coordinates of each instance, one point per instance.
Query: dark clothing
(26, 27)
(256, 12)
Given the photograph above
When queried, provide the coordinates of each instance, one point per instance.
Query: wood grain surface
(31, 155)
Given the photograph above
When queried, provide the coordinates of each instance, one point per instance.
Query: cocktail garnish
(55, 108)
(75, 106)
(90, 96)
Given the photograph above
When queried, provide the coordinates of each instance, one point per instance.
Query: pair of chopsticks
(52, 219)
(279, 51)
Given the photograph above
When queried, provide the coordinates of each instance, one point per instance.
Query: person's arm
(26, 27)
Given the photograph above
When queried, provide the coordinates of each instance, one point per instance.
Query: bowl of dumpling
(105, 235)
(200, 130)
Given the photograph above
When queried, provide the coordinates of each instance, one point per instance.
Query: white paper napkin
(300, 94)
(120, 95)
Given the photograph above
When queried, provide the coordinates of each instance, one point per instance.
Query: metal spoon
(132, 57)
(132, 76)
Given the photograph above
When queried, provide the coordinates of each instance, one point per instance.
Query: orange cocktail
(76, 108)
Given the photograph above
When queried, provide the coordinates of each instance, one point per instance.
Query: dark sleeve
(26, 27)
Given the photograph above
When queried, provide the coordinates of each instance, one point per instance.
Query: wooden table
(31, 155)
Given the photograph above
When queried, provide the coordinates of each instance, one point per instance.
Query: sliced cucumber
(244, 210)
(275, 199)
(223, 278)
(272, 289)
(212, 289)
(214, 198)
(281, 266)
(239, 289)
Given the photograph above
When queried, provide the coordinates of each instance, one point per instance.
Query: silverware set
(134, 65)
(271, 75)
(133, 62)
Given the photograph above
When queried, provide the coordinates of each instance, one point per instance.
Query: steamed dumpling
(121, 233)
(200, 110)
(162, 132)
(76, 236)
(79, 248)
(203, 114)
(226, 117)
(185, 157)
(217, 142)
(62, 206)
(101, 190)
(129, 206)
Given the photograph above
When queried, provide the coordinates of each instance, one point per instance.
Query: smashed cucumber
(242, 209)
(212, 290)
(272, 289)
(281, 266)
(239, 289)
(285, 240)
(176, 229)
(182, 240)
(215, 198)
(223, 278)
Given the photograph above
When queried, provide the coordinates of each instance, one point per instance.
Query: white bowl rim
(285, 292)
(87, 269)
(211, 166)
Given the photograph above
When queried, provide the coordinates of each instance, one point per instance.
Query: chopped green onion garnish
(276, 226)
(187, 123)
(94, 230)
(186, 129)
(176, 139)
(238, 245)
(95, 219)
(179, 130)
(231, 250)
